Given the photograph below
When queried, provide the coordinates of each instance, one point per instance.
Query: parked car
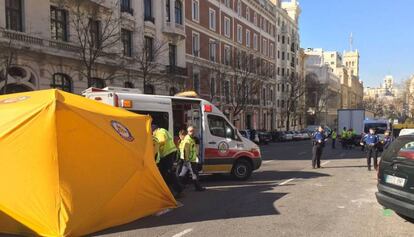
(249, 135)
(264, 137)
(396, 177)
(297, 136)
(305, 135)
(287, 136)
(277, 136)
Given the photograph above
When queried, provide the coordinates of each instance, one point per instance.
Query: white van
(223, 149)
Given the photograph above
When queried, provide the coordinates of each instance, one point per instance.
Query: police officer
(167, 155)
(189, 154)
(344, 135)
(334, 136)
(318, 143)
(371, 140)
(388, 139)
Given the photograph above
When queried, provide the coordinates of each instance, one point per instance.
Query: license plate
(395, 180)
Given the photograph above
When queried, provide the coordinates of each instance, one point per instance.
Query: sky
(383, 33)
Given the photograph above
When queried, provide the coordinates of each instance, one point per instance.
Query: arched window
(129, 84)
(62, 82)
(178, 12)
(97, 82)
(149, 89)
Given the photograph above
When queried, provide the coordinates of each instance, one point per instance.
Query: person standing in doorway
(318, 143)
(334, 136)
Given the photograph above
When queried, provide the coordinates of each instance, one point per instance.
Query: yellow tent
(71, 166)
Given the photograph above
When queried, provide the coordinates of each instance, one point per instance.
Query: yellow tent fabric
(70, 166)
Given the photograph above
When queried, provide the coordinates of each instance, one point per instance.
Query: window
(212, 50)
(219, 127)
(255, 19)
(278, 73)
(247, 38)
(283, 55)
(227, 26)
(148, 11)
(128, 84)
(212, 87)
(212, 19)
(149, 90)
(283, 39)
(278, 54)
(255, 41)
(196, 44)
(95, 32)
(149, 48)
(227, 3)
(14, 12)
(227, 91)
(272, 51)
(264, 96)
(161, 119)
(62, 82)
(283, 87)
(168, 10)
(196, 82)
(97, 82)
(264, 47)
(172, 54)
(126, 37)
(239, 8)
(195, 10)
(239, 34)
(178, 12)
(227, 55)
(247, 14)
(58, 24)
(126, 6)
(283, 103)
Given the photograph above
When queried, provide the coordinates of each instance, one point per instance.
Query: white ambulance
(223, 149)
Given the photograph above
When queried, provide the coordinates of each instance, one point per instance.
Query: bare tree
(8, 57)
(97, 32)
(318, 96)
(294, 100)
(148, 59)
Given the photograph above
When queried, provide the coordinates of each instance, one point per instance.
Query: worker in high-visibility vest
(344, 138)
(189, 153)
(168, 154)
(156, 146)
(334, 136)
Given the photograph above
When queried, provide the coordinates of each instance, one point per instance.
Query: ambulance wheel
(242, 169)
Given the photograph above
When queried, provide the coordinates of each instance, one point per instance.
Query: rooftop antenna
(351, 42)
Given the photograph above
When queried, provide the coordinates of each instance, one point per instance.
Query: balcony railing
(22, 37)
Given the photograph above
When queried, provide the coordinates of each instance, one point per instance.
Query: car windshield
(380, 128)
(402, 147)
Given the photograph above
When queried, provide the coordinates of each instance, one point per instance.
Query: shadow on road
(224, 199)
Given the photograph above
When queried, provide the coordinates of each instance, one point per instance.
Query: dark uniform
(318, 144)
(371, 141)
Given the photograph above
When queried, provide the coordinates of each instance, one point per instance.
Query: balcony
(14, 36)
(172, 69)
(174, 29)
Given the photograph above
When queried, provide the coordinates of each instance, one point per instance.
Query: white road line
(286, 181)
(326, 162)
(266, 161)
(182, 233)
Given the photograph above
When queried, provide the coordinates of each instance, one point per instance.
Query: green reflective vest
(166, 141)
(156, 149)
(188, 149)
(333, 135)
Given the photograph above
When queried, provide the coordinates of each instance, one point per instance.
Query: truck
(351, 118)
(222, 148)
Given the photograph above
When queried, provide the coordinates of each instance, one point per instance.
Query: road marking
(326, 162)
(163, 212)
(182, 233)
(286, 181)
(266, 161)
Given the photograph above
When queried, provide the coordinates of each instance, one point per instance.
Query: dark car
(396, 177)
(277, 136)
(264, 137)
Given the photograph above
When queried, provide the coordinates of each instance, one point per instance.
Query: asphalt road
(285, 197)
